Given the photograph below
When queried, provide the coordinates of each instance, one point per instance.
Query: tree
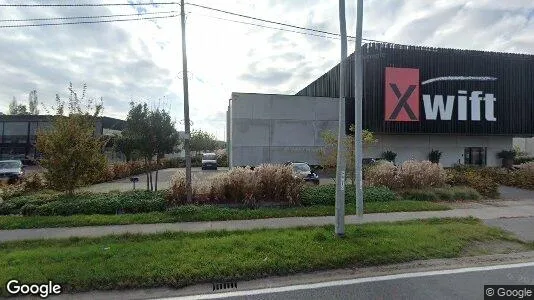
(202, 141)
(17, 109)
(33, 103)
(152, 133)
(71, 152)
(328, 155)
(163, 135)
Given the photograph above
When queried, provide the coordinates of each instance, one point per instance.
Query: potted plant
(507, 157)
(389, 156)
(434, 156)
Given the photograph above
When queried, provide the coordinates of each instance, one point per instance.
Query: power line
(269, 27)
(86, 22)
(87, 17)
(88, 4)
(275, 22)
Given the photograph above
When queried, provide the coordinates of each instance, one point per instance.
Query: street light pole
(358, 76)
(186, 110)
(341, 161)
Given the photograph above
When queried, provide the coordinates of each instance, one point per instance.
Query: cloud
(141, 60)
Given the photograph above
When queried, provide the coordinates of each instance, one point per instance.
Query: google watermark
(43, 290)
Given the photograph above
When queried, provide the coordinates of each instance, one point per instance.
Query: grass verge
(206, 213)
(180, 259)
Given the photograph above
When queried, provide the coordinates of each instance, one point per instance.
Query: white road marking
(350, 282)
(450, 78)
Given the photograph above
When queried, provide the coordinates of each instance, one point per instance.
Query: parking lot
(164, 179)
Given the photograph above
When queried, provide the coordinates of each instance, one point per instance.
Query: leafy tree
(152, 133)
(33, 103)
(163, 135)
(72, 154)
(203, 141)
(17, 109)
(328, 155)
(124, 145)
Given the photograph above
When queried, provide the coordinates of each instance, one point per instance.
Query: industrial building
(468, 104)
(18, 133)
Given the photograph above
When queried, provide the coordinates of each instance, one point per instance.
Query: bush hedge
(326, 195)
(441, 194)
(85, 204)
(483, 180)
(410, 174)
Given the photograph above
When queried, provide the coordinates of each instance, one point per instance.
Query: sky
(141, 61)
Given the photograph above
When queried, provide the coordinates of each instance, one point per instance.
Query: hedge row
(441, 194)
(86, 204)
(326, 194)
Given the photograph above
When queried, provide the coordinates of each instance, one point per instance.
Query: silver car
(11, 170)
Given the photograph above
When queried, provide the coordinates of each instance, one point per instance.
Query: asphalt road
(465, 283)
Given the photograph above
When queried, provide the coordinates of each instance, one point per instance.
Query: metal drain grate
(224, 286)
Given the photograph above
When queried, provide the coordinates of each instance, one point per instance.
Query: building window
(475, 156)
(15, 132)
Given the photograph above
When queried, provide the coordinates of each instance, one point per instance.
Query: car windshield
(209, 156)
(301, 168)
(9, 165)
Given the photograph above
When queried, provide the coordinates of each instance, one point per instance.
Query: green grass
(180, 259)
(207, 213)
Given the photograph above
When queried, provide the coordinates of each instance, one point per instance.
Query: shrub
(409, 175)
(419, 195)
(444, 194)
(481, 179)
(326, 195)
(389, 156)
(465, 193)
(378, 194)
(440, 194)
(413, 174)
(265, 184)
(383, 174)
(434, 156)
(34, 182)
(523, 159)
(108, 203)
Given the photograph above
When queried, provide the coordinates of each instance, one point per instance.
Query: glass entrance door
(475, 156)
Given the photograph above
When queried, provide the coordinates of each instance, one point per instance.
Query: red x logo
(402, 94)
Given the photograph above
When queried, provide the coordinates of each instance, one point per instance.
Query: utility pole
(358, 76)
(341, 161)
(186, 109)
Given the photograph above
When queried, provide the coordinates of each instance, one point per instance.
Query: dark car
(304, 171)
(11, 170)
(209, 161)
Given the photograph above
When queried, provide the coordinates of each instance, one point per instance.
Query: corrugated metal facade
(513, 89)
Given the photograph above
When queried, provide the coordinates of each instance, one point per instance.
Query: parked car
(303, 170)
(209, 161)
(11, 170)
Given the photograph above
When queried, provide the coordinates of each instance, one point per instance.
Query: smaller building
(18, 133)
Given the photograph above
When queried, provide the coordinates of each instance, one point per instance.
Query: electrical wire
(89, 4)
(87, 17)
(322, 33)
(86, 22)
(265, 26)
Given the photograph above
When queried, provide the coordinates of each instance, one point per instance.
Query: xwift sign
(420, 90)
(402, 99)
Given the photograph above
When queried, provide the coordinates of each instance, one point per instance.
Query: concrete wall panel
(250, 132)
(296, 133)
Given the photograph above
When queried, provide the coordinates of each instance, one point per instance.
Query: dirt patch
(494, 247)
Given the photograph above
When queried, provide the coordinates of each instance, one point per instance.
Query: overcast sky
(141, 60)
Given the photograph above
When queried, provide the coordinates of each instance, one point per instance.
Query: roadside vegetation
(143, 207)
(141, 261)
